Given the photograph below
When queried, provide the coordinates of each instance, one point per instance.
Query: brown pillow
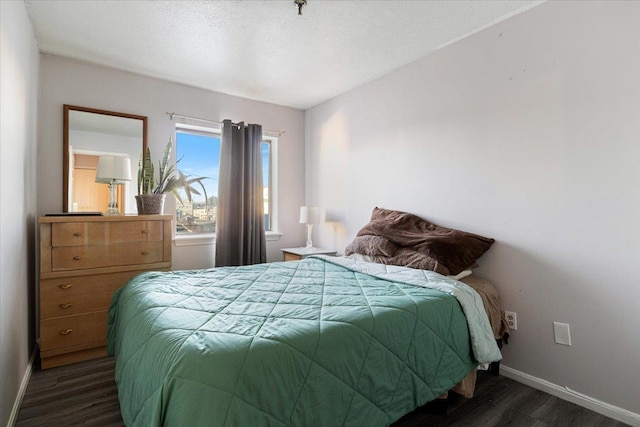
(407, 257)
(372, 246)
(454, 249)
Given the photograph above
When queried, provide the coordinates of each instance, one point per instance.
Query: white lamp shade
(309, 215)
(113, 168)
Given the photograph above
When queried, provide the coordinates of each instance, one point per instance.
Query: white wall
(528, 132)
(66, 81)
(18, 115)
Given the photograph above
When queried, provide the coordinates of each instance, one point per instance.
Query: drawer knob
(65, 286)
(67, 332)
(64, 306)
(144, 253)
(144, 231)
(77, 234)
(77, 258)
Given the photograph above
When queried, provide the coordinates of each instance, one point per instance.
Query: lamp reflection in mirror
(309, 215)
(113, 170)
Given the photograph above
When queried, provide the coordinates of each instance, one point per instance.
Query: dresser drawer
(75, 304)
(65, 287)
(292, 257)
(96, 233)
(94, 256)
(84, 330)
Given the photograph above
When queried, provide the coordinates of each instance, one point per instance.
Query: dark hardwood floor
(85, 394)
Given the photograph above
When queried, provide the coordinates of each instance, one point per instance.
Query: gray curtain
(240, 238)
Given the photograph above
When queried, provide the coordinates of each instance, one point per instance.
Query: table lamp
(113, 170)
(309, 215)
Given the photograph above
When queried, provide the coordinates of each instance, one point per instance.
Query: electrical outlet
(561, 333)
(512, 319)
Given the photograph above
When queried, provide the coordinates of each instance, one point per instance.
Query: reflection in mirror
(89, 134)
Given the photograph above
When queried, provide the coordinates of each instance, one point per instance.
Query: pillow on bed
(372, 246)
(461, 275)
(360, 257)
(411, 258)
(407, 257)
(454, 249)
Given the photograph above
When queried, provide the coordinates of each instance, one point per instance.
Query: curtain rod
(172, 115)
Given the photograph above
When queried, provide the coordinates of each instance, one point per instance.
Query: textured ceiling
(260, 50)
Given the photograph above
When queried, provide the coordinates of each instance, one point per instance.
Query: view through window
(198, 154)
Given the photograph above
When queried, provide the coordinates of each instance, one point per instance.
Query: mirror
(89, 134)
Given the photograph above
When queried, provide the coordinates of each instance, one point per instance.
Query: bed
(323, 341)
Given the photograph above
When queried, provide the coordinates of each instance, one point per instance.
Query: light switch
(561, 333)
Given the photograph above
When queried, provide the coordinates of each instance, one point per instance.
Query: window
(198, 154)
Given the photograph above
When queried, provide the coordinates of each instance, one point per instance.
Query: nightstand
(295, 254)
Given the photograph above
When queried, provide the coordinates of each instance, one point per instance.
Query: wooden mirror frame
(65, 142)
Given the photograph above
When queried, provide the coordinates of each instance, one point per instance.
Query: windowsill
(210, 238)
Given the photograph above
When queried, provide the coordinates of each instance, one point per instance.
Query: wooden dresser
(83, 260)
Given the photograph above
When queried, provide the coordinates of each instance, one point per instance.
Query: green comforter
(318, 342)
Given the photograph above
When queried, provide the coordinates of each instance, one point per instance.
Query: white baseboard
(23, 389)
(565, 393)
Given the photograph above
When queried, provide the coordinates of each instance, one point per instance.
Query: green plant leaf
(140, 175)
(147, 172)
(169, 180)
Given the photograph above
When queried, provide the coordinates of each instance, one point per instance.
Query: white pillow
(360, 257)
(461, 275)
